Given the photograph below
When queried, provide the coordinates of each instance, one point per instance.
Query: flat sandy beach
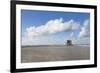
(54, 53)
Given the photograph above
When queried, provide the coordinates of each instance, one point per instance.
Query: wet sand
(54, 53)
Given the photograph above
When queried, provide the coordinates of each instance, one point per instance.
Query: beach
(45, 53)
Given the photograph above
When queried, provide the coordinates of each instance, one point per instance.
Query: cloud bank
(53, 26)
(84, 30)
(40, 34)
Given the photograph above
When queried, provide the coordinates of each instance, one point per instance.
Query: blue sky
(34, 18)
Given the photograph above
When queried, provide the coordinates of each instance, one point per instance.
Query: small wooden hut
(69, 43)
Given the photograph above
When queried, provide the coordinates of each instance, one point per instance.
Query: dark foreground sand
(54, 53)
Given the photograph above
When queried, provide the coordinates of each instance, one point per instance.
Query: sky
(54, 27)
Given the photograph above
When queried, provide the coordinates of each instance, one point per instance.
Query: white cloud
(84, 30)
(42, 40)
(52, 26)
(86, 24)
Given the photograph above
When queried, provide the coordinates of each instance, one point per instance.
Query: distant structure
(69, 43)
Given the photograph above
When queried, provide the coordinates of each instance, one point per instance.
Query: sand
(54, 53)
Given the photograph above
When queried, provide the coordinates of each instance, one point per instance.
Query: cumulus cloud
(84, 30)
(52, 26)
